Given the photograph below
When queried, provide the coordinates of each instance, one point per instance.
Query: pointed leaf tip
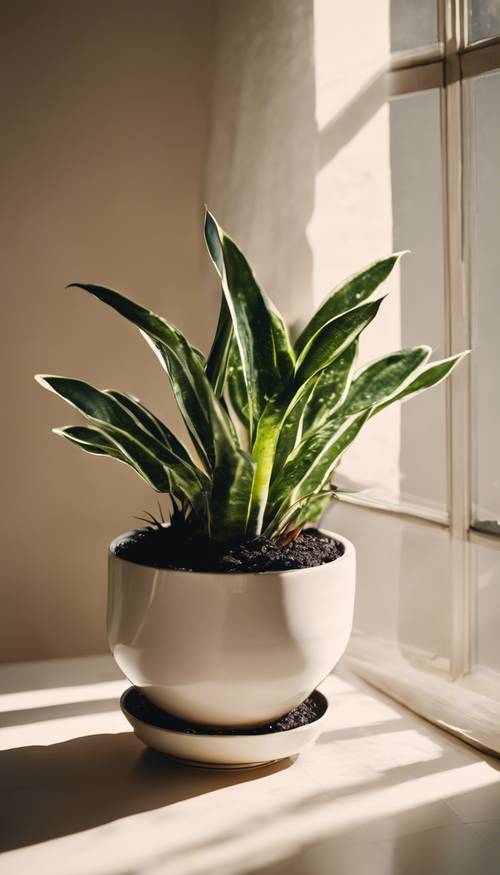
(42, 380)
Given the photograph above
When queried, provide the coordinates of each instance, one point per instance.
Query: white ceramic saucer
(222, 751)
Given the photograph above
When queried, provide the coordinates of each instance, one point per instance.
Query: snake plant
(269, 420)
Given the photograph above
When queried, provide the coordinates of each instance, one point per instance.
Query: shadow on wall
(262, 156)
(265, 147)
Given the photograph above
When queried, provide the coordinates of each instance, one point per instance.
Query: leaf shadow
(58, 789)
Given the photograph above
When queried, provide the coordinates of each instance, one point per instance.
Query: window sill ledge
(457, 706)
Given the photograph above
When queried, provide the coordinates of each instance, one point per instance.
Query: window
(413, 25)
(483, 20)
(420, 169)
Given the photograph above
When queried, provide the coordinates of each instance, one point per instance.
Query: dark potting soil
(310, 710)
(171, 547)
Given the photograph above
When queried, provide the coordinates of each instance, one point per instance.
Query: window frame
(448, 66)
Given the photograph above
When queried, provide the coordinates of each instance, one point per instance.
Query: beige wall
(104, 112)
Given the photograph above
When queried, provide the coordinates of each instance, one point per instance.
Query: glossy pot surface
(229, 649)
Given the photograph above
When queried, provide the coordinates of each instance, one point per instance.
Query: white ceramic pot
(229, 649)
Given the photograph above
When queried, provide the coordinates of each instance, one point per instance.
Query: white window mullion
(458, 311)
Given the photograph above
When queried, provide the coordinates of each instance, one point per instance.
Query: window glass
(484, 19)
(417, 216)
(485, 270)
(413, 24)
(400, 459)
(403, 580)
(486, 574)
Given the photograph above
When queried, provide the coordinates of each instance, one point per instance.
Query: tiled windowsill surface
(382, 792)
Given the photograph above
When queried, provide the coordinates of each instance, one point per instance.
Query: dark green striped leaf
(236, 386)
(90, 439)
(149, 455)
(151, 424)
(333, 339)
(306, 510)
(347, 295)
(383, 377)
(326, 347)
(231, 492)
(331, 388)
(312, 463)
(291, 427)
(259, 330)
(218, 358)
(183, 363)
(278, 410)
(429, 376)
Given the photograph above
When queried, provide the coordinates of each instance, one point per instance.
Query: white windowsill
(469, 708)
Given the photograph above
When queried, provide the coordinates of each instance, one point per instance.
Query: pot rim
(349, 550)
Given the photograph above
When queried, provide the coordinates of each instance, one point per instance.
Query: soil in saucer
(176, 548)
(308, 712)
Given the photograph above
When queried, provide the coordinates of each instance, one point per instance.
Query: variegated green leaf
(349, 294)
(312, 463)
(236, 386)
(97, 405)
(184, 365)
(333, 339)
(231, 491)
(291, 427)
(277, 411)
(312, 504)
(312, 509)
(324, 348)
(148, 454)
(331, 389)
(218, 358)
(383, 378)
(151, 423)
(303, 512)
(259, 331)
(92, 440)
(429, 376)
